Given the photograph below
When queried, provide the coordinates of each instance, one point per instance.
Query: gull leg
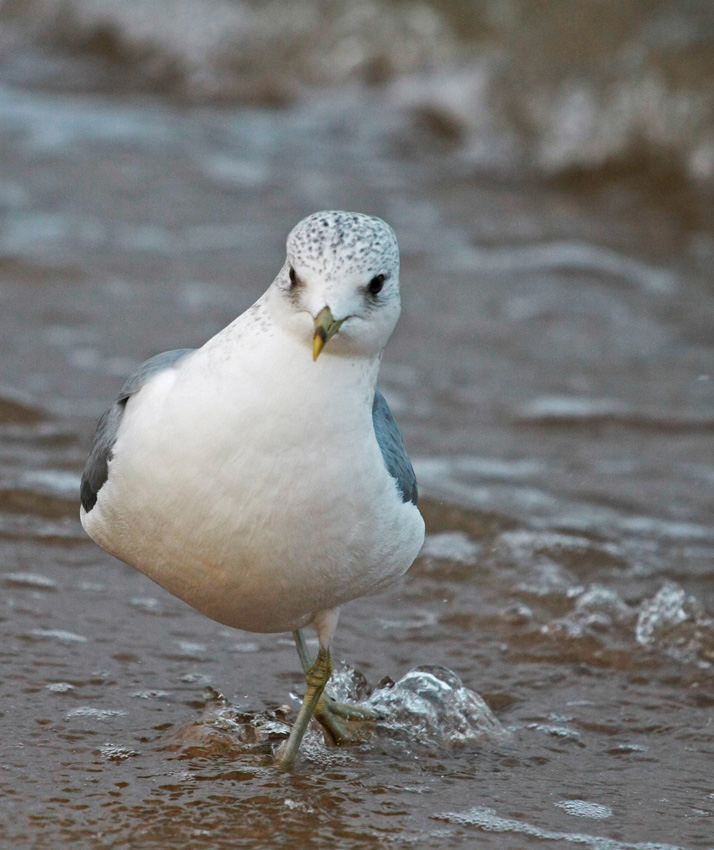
(302, 650)
(342, 721)
(316, 677)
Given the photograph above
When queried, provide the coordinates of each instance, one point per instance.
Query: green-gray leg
(302, 650)
(342, 721)
(316, 677)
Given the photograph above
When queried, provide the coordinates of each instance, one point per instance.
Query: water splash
(677, 625)
(224, 730)
(431, 707)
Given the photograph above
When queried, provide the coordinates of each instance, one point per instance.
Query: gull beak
(325, 328)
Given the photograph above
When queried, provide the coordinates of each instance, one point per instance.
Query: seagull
(262, 478)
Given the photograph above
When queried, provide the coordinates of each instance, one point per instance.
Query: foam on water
(585, 809)
(94, 713)
(489, 820)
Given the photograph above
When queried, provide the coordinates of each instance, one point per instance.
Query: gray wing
(389, 438)
(96, 470)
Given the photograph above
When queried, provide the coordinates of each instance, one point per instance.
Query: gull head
(339, 286)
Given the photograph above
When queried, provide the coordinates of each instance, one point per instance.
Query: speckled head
(346, 262)
(343, 243)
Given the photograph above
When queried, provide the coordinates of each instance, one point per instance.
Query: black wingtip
(87, 496)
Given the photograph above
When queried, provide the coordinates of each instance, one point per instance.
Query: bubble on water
(562, 732)
(431, 706)
(599, 598)
(98, 713)
(150, 694)
(584, 809)
(517, 613)
(59, 687)
(298, 805)
(676, 624)
(115, 753)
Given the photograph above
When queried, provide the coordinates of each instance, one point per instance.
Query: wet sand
(552, 373)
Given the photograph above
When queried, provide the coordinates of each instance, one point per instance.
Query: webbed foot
(343, 722)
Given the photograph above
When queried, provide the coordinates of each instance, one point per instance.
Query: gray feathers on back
(96, 470)
(151, 367)
(389, 438)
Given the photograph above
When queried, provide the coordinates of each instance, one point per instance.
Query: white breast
(250, 484)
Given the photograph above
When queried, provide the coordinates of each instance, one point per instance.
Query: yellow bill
(325, 328)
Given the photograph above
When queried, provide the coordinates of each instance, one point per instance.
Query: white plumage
(253, 482)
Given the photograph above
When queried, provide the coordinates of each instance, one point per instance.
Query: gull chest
(259, 497)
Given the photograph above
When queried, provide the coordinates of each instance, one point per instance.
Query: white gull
(260, 484)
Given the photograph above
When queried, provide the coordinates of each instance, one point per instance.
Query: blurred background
(551, 88)
(548, 168)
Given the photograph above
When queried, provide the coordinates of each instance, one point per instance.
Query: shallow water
(552, 373)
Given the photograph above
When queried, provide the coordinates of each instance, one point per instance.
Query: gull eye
(293, 277)
(374, 287)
